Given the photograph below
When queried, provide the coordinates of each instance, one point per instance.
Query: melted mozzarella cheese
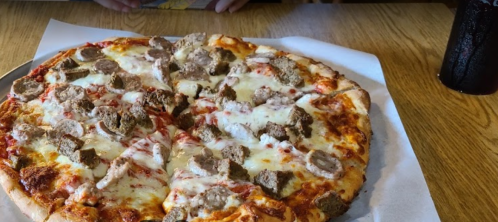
(105, 148)
(182, 53)
(192, 184)
(142, 187)
(48, 151)
(268, 153)
(181, 154)
(132, 59)
(260, 159)
(148, 79)
(249, 82)
(276, 159)
(141, 153)
(305, 103)
(133, 97)
(50, 154)
(256, 119)
(139, 192)
(95, 79)
(319, 139)
(232, 201)
(100, 170)
(51, 77)
(188, 87)
(158, 137)
(75, 168)
(176, 198)
(52, 112)
(171, 130)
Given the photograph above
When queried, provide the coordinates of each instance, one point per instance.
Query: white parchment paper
(395, 189)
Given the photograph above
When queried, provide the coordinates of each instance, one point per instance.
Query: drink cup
(470, 63)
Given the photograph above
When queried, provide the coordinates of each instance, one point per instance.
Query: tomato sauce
(10, 140)
(244, 190)
(38, 73)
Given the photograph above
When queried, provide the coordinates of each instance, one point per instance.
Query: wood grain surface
(455, 136)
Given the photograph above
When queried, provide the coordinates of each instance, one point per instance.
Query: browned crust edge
(76, 213)
(11, 186)
(47, 64)
(8, 177)
(26, 204)
(57, 217)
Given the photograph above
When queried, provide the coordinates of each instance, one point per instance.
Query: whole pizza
(207, 128)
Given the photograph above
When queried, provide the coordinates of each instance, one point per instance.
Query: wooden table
(455, 136)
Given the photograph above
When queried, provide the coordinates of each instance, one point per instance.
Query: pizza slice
(279, 119)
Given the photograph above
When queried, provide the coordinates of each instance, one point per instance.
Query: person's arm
(231, 5)
(119, 5)
(127, 5)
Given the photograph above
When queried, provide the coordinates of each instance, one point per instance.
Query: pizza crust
(361, 100)
(362, 103)
(254, 214)
(74, 213)
(9, 179)
(260, 208)
(49, 63)
(111, 39)
(57, 217)
(26, 204)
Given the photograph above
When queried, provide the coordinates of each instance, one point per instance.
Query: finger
(125, 8)
(130, 3)
(222, 5)
(114, 5)
(237, 5)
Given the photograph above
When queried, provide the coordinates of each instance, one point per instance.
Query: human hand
(119, 5)
(231, 5)
(127, 5)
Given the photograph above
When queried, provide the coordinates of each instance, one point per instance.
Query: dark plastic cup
(470, 63)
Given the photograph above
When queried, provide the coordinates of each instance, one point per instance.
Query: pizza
(205, 128)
